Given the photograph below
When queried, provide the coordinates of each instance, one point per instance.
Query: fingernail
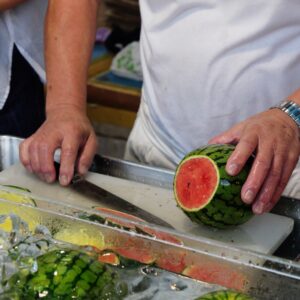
(249, 196)
(63, 179)
(48, 177)
(232, 169)
(258, 208)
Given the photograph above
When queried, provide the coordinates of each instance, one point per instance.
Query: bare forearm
(69, 37)
(7, 4)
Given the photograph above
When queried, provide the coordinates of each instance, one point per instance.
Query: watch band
(292, 109)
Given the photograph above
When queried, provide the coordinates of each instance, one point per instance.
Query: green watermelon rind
(23, 189)
(227, 209)
(224, 295)
(190, 157)
(67, 274)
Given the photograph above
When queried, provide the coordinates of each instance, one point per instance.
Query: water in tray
(20, 250)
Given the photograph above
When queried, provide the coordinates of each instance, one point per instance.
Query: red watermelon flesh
(141, 255)
(172, 261)
(196, 183)
(134, 249)
(164, 236)
(139, 228)
(123, 215)
(109, 258)
(217, 274)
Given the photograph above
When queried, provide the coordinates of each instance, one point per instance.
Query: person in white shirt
(212, 70)
(62, 122)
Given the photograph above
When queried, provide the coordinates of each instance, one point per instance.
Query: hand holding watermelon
(274, 138)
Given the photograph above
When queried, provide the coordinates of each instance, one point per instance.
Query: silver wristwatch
(292, 109)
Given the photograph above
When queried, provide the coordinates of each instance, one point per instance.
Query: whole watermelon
(68, 274)
(206, 193)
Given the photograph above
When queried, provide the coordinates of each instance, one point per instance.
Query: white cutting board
(262, 233)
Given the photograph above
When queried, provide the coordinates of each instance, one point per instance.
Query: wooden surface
(99, 65)
(111, 109)
(110, 115)
(107, 94)
(113, 96)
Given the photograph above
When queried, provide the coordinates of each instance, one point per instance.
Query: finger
(24, 154)
(259, 170)
(69, 151)
(227, 137)
(289, 166)
(87, 154)
(46, 154)
(243, 150)
(34, 157)
(269, 186)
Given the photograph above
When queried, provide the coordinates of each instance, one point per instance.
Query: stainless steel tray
(276, 278)
(290, 248)
(220, 266)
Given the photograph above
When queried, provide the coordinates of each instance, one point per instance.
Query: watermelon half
(206, 193)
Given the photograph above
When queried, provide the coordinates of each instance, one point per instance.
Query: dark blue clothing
(24, 109)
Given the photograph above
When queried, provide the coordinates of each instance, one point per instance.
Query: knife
(91, 190)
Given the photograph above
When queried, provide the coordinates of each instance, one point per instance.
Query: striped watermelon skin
(69, 274)
(224, 295)
(226, 208)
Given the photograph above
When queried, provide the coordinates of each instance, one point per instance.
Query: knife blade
(93, 191)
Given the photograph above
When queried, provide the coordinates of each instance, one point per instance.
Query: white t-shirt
(208, 64)
(22, 26)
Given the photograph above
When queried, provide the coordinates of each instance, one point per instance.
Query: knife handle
(98, 163)
(57, 167)
(76, 176)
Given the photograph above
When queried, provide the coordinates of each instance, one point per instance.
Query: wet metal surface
(290, 248)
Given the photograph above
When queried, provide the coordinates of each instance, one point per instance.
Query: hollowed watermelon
(206, 193)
